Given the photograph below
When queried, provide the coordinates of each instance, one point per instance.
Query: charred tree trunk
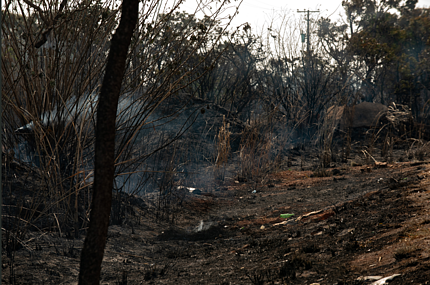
(95, 242)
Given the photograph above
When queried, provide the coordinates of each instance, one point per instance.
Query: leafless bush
(54, 55)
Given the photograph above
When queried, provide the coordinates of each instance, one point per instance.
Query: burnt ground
(351, 222)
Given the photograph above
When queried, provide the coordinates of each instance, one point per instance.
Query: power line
(308, 12)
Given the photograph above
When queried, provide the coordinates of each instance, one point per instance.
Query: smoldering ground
(184, 128)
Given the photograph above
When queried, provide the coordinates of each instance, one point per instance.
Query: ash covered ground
(353, 221)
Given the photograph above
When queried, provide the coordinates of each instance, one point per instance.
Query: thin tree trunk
(95, 242)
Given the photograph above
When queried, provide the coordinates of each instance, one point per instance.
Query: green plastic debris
(285, 216)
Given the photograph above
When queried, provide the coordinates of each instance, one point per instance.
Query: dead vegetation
(207, 160)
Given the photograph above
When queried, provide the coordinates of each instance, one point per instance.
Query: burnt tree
(95, 242)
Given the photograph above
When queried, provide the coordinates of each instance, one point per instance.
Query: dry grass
(223, 150)
(419, 150)
(255, 153)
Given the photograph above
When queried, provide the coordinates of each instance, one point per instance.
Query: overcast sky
(257, 12)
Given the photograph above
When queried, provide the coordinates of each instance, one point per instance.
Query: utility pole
(1, 147)
(308, 12)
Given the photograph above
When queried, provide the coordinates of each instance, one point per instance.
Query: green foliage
(393, 47)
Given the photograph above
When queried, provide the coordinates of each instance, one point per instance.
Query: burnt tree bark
(95, 242)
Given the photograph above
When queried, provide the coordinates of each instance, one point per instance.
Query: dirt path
(357, 222)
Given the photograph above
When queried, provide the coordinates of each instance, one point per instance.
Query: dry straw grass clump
(223, 150)
(261, 148)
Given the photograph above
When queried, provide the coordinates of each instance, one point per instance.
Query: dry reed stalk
(223, 150)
